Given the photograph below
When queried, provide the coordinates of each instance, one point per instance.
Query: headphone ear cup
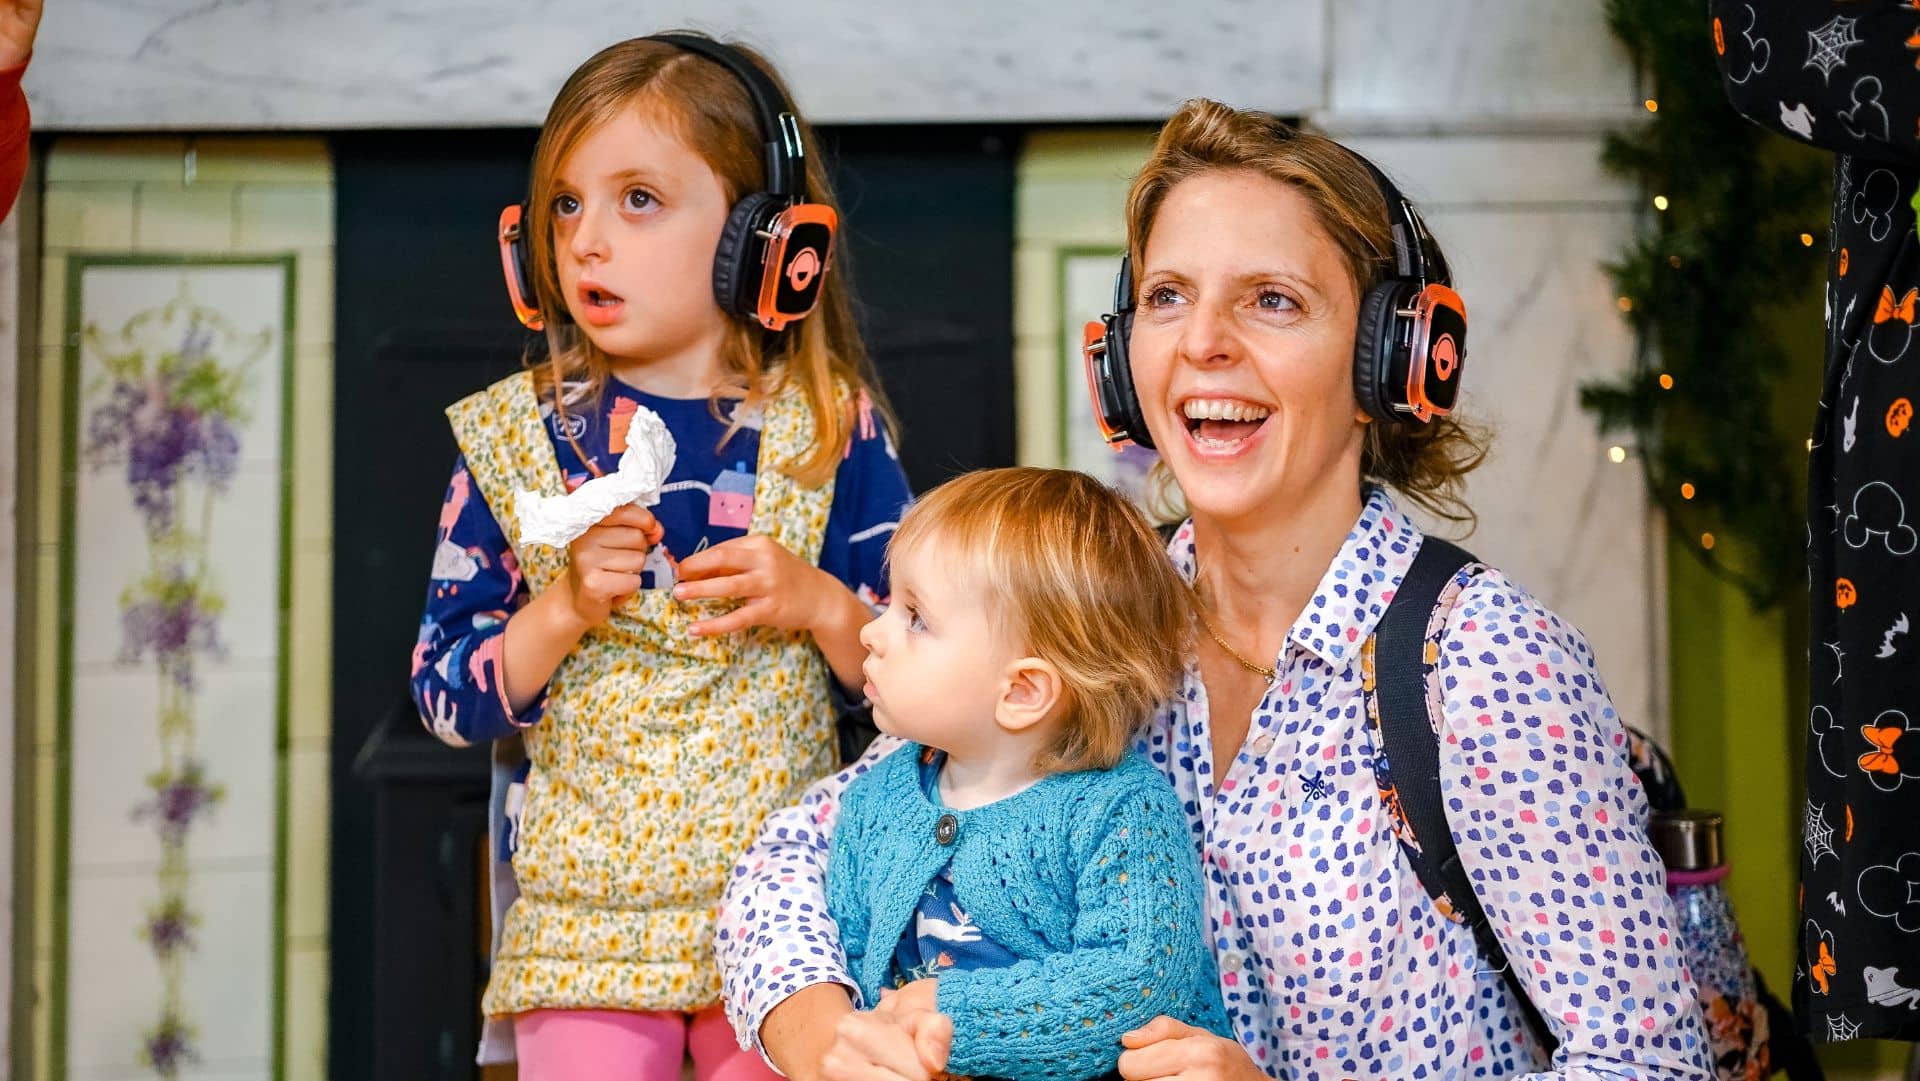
(1373, 345)
(1119, 335)
(737, 259)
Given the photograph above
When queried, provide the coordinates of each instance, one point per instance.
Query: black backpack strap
(1410, 746)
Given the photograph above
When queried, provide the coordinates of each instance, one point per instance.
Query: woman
(1252, 247)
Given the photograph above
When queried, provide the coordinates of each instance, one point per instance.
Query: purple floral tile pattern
(163, 412)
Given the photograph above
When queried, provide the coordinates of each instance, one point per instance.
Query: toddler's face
(935, 661)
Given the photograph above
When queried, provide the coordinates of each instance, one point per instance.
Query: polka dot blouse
(1333, 961)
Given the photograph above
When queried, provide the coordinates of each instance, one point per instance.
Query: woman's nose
(1206, 335)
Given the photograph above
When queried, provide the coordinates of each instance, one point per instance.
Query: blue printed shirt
(476, 582)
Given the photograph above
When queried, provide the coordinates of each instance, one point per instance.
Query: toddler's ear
(1031, 691)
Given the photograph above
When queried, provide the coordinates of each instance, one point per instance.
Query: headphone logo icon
(1446, 357)
(803, 268)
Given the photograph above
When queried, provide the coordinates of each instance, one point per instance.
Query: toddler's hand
(917, 995)
(880, 1044)
(604, 563)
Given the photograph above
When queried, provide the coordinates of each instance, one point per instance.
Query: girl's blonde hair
(709, 110)
(1429, 462)
(1072, 570)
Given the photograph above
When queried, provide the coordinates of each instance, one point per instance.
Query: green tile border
(77, 265)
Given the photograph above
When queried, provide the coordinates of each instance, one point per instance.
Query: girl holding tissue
(658, 548)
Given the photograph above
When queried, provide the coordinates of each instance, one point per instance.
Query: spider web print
(1819, 835)
(1827, 47)
(1839, 1029)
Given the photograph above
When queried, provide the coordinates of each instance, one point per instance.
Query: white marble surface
(1477, 63)
(270, 64)
(1555, 513)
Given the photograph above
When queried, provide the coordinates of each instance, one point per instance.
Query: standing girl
(671, 671)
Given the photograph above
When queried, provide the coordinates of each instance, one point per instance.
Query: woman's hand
(888, 1044)
(604, 563)
(1166, 1048)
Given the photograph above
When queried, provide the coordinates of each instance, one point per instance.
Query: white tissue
(556, 520)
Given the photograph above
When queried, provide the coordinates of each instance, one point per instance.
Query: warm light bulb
(1686, 491)
(1659, 202)
(1616, 454)
(1653, 106)
(1666, 381)
(1806, 240)
(1626, 304)
(1706, 541)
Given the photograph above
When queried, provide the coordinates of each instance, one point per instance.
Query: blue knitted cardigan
(1087, 877)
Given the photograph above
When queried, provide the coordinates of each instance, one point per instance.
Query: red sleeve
(14, 123)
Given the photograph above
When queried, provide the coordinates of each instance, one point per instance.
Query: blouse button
(946, 829)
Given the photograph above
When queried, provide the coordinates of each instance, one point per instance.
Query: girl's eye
(1276, 302)
(565, 205)
(639, 199)
(914, 622)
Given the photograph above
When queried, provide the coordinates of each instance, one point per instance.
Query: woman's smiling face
(1242, 346)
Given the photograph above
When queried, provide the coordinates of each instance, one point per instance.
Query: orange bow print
(1889, 309)
(1880, 759)
(1824, 968)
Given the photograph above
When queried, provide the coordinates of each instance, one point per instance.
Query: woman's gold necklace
(1260, 670)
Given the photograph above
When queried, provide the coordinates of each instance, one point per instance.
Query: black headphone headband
(779, 130)
(1415, 258)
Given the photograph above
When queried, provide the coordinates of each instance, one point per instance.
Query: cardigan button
(946, 829)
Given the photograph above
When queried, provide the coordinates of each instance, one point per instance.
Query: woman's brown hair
(709, 109)
(1428, 463)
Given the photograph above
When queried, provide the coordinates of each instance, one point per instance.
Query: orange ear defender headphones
(1408, 352)
(775, 248)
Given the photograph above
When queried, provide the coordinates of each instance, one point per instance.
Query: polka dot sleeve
(774, 936)
(1551, 828)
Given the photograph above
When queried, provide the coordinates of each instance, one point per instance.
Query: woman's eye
(1162, 295)
(1276, 302)
(565, 205)
(638, 199)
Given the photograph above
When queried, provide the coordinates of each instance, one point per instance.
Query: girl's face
(637, 215)
(1242, 347)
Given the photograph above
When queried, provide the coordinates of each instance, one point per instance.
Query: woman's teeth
(1220, 423)
(1221, 409)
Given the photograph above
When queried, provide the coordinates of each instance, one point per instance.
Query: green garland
(1733, 239)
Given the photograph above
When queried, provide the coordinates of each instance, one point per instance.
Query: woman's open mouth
(1222, 424)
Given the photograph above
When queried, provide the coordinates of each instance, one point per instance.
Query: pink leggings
(631, 1045)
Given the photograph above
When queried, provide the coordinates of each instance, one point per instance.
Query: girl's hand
(879, 1045)
(604, 563)
(777, 588)
(1166, 1048)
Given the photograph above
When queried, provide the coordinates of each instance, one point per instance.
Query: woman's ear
(1031, 691)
